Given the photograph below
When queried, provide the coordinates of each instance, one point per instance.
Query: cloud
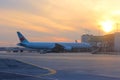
(58, 20)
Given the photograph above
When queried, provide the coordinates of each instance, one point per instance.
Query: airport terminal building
(106, 43)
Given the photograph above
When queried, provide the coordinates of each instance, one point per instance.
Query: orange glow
(107, 26)
(32, 22)
(51, 39)
(4, 43)
(57, 18)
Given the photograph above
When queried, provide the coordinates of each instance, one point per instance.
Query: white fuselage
(51, 45)
(40, 45)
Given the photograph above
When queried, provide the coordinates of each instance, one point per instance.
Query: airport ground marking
(51, 71)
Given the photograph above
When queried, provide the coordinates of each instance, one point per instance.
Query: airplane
(44, 47)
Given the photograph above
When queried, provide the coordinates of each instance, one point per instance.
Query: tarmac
(63, 66)
(11, 69)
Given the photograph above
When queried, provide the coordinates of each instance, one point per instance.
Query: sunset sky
(55, 20)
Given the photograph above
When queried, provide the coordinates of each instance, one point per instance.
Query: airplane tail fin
(21, 38)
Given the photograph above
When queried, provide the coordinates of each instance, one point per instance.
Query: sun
(107, 26)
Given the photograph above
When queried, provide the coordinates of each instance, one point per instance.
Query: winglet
(21, 38)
